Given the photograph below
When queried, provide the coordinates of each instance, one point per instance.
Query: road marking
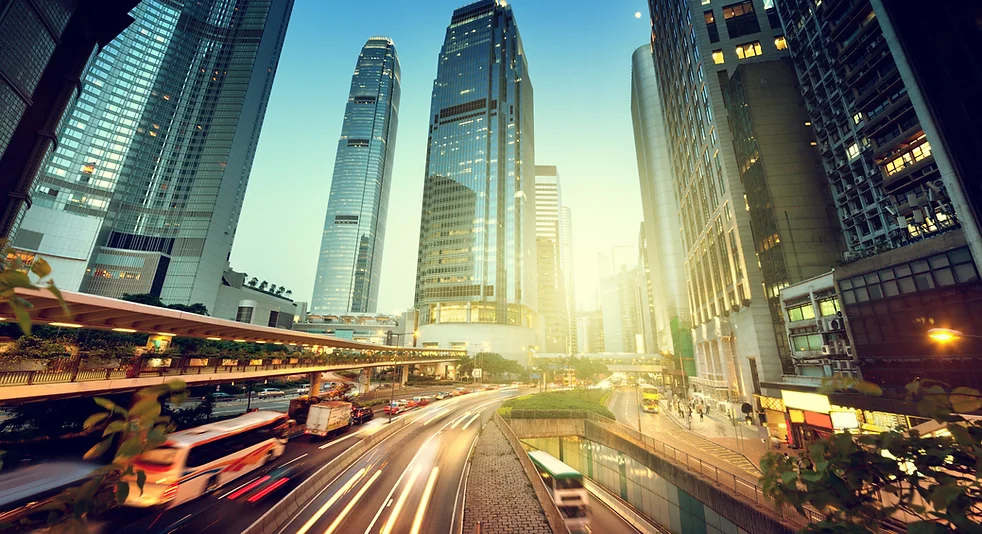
(237, 489)
(351, 504)
(478, 414)
(339, 440)
(394, 516)
(246, 489)
(421, 509)
(295, 459)
(439, 413)
(460, 419)
(334, 498)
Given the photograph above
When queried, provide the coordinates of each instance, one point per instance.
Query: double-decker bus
(649, 398)
(200, 460)
(565, 484)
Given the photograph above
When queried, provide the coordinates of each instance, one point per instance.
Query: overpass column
(365, 380)
(315, 384)
(405, 375)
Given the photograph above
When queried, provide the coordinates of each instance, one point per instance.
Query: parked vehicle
(270, 392)
(200, 460)
(328, 417)
(361, 415)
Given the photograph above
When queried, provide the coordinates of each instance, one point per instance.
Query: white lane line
(478, 414)
(462, 487)
(330, 502)
(339, 440)
(351, 504)
(295, 459)
(394, 516)
(460, 419)
(421, 509)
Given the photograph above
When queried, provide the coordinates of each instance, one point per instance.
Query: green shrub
(559, 404)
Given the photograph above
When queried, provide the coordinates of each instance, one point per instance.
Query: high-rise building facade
(569, 275)
(354, 229)
(548, 244)
(75, 185)
(875, 76)
(476, 270)
(46, 47)
(663, 251)
(177, 188)
(652, 326)
(696, 46)
(619, 302)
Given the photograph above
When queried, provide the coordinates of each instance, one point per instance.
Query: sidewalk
(498, 494)
(742, 439)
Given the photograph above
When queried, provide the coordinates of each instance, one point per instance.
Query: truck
(649, 399)
(327, 417)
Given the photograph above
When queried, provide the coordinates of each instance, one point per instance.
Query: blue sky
(579, 55)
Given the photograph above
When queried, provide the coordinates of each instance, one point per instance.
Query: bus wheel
(269, 457)
(212, 484)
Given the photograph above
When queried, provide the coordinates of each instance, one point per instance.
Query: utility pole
(392, 392)
(637, 402)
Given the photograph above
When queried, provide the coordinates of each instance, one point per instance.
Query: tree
(858, 482)
(253, 281)
(143, 298)
(494, 364)
(289, 293)
(280, 290)
(263, 285)
(587, 367)
(197, 308)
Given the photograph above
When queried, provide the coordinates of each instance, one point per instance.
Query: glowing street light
(945, 335)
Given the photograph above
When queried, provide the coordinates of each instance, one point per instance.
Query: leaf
(926, 527)
(114, 427)
(61, 299)
(868, 388)
(122, 492)
(130, 448)
(12, 278)
(41, 268)
(98, 449)
(110, 405)
(23, 317)
(965, 400)
(94, 420)
(942, 495)
(788, 477)
(146, 408)
(141, 479)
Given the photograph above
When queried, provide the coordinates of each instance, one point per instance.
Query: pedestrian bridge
(304, 353)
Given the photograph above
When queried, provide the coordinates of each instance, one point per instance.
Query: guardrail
(176, 366)
(719, 477)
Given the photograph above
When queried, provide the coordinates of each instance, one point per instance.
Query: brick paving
(499, 494)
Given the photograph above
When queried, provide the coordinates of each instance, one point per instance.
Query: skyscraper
(569, 274)
(177, 188)
(548, 244)
(476, 271)
(354, 228)
(665, 254)
(47, 46)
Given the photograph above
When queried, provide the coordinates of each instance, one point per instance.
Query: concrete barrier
(553, 516)
(626, 511)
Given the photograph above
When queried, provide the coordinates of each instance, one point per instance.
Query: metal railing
(157, 366)
(738, 485)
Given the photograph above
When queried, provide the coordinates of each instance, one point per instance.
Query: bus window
(572, 511)
(162, 456)
(569, 483)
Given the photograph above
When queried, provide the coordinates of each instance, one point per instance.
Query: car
(219, 396)
(441, 395)
(304, 389)
(421, 401)
(393, 409)
(411, 403)
(361, 415)
(270, 392)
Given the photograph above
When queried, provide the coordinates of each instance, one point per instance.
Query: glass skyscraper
(476, 275)
(354, 229)
(166, 131)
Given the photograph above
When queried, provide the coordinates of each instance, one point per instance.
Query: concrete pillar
(365, 380)
(315, 384)
(405, 375)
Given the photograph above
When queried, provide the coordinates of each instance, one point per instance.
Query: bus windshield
(568, 483)
(163, 455)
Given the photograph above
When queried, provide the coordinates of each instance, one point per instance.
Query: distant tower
(354, 230)
(476, 275)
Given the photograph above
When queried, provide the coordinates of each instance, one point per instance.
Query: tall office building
(354, 229)
(548, 245)
(663, 251)
(476, 272)
(179, 155)
(619, 302)
(893, 109)
(569, 275)
(652, 323)
(697, 46)
(46, 47)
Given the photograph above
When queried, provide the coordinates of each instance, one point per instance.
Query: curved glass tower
(476, 271)
(354, 229)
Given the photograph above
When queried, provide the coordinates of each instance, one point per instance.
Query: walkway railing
(74, 371)
(720, 477)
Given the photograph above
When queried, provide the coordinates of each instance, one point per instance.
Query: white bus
(200, 460)
(565, 484)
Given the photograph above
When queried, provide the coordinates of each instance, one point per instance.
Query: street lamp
(947, 335)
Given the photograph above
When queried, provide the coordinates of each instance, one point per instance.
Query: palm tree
(253, 281)
(263, 285)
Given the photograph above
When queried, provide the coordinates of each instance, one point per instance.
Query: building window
(274, 317)
(809, 342)
(244, 314)
(711, 26)
(953, 267)
(718, 57)
(909, 158)
(748, 50)
(801, 313)
(828, 307)
(780, 43)
(853, 151)
(740, 19)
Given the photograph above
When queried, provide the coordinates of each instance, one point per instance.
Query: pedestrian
(700, 414)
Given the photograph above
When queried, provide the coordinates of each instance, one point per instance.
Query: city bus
(565, 484)
(200, 460)
(649, 398)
